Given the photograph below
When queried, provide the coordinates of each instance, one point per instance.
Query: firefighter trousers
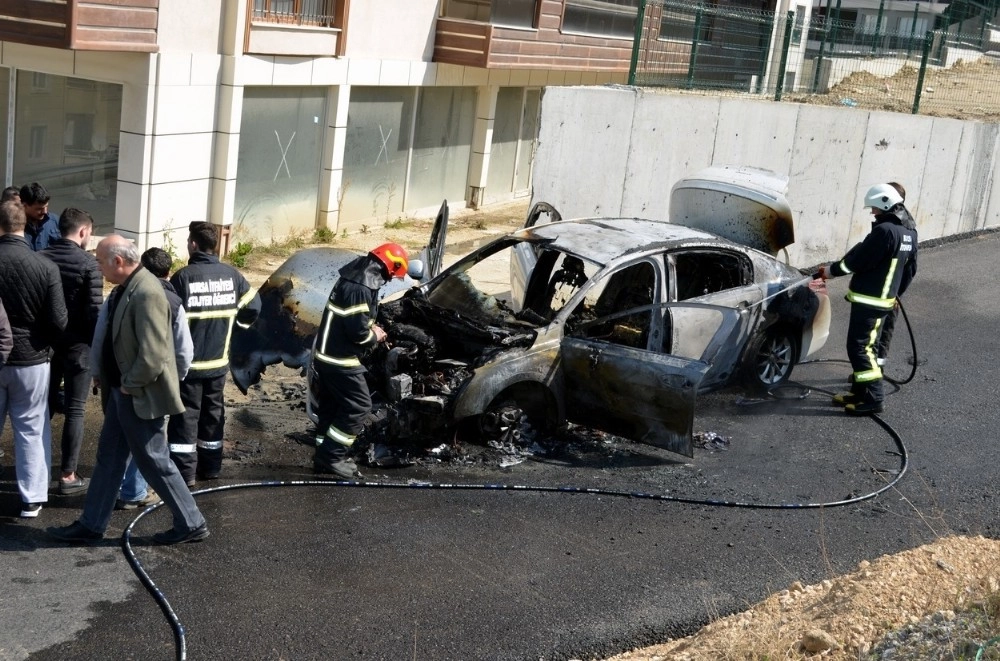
(343, 403)
(863, 332)
(196, 434)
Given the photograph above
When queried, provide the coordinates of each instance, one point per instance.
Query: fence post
(637, 42)
(913, 29)
(789, 23)
(694, 47)
(928, 40)
(822, 46)
(878, 25)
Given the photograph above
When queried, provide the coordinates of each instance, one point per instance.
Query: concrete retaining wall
(609, 151)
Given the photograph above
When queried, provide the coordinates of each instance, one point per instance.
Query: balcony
(295, 27)
(568, 35)
(97, 25)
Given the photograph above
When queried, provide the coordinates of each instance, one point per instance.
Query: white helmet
(882, 196)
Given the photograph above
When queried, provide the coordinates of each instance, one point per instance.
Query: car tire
(771, 362)
(521, 410)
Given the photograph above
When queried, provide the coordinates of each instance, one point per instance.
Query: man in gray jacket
(139, 387)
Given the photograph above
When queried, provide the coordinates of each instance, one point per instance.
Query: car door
(433, 254)
(525, 256)
(711, 277)
(638, 393)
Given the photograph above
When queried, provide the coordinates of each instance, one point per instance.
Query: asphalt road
(331, 572)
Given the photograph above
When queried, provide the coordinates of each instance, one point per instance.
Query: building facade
(280, 116)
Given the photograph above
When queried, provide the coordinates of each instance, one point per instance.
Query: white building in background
(274, 116)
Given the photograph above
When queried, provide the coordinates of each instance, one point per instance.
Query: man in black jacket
(31, 292)
(215, 296)
(347, 331)
(880, 266)
(83, 291)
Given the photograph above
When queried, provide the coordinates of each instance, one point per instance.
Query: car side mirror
(416, 269)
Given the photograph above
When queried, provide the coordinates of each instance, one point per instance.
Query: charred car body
(612, 323)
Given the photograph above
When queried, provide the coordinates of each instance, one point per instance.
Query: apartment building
(277, 116)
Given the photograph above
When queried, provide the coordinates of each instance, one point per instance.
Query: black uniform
(881, 266)
(215, 296)
(337, 377)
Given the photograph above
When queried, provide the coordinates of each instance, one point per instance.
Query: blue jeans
(134, 485)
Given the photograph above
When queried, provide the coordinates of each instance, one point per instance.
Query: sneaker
(174, 536)
(863, 408)
(72, 487)
(30, 510)
(74, 532)
(844, 398)
(344, 469)
(150, 498)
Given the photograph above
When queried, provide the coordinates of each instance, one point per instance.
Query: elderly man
(32, 296)
(138, 379)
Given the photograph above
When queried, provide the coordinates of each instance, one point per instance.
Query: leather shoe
(174, 536)
(74, 486)
(74, 532)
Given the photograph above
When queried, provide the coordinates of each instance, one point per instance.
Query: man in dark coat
(31, 292)
(83, 291)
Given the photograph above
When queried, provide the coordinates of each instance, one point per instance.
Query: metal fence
(834, 58)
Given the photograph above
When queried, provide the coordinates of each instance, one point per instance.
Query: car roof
(601, 240)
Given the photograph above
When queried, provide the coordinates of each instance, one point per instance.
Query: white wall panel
(583, 151)
(670, 137)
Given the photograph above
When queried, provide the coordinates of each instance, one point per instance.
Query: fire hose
(180, 642)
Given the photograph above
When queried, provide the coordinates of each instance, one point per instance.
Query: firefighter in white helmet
(880, 266)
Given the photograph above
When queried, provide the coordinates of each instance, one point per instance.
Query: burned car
(615, 324)
(612, 323)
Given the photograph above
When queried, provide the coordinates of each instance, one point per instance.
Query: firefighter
(348, 331)
(881, 266)
(215, 296)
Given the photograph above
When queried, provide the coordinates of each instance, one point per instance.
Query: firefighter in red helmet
(347, 332)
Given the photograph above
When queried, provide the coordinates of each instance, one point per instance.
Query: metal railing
(320, 13)
(703, 47)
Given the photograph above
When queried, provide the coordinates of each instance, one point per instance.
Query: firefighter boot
(331, 461)
(868, 400)
(852, 397)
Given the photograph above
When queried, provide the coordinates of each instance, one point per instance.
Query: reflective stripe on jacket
(882, 264)
(216, 296)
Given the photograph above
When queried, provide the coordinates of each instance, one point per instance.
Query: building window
(606, 18)
(36, 144)
(68, 140)
(513, 13)
(299, 12)
(39, 82)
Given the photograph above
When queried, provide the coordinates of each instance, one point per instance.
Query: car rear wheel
(771, 364)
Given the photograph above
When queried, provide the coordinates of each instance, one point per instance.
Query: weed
(323, 235)
(343, 234)
(238, 255)
(479, 224)
(397, 224)
(364, 229)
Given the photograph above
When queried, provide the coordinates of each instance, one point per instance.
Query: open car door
(432, 255)
(525, 256)
(642, 394)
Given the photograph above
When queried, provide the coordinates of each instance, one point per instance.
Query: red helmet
(393, 257)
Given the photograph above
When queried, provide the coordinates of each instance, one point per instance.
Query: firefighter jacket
(882, 265)
(345, 332)
(215, 296)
